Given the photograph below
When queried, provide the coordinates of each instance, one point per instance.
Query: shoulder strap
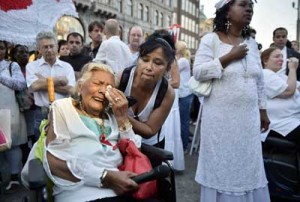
(9, 68)
(125, 78)
(161, 93)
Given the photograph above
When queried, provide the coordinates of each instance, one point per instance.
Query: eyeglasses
(46, 47)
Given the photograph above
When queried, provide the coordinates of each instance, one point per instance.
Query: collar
(58, 62)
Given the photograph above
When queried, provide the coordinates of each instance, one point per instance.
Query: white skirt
(171, 130)
(213, 195)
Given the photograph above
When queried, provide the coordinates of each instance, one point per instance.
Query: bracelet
(125, 127)
(104, 174)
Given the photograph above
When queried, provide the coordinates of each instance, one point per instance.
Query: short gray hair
(45, 35)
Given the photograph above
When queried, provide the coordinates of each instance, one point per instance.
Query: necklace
(244, 64)
(99, 121)
(103, 130)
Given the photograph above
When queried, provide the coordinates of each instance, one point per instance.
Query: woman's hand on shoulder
(120, 182)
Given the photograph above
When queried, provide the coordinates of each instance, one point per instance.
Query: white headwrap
(221, 3)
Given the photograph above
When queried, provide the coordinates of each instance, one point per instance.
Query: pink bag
(135, 161)
(5, 131)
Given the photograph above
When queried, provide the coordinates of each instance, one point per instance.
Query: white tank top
(145, 113)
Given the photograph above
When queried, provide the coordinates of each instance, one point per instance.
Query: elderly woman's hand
(120, 181)
(118, 103)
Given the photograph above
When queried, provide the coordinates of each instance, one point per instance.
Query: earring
(227, 24)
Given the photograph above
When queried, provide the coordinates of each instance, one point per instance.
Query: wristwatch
(104, 174)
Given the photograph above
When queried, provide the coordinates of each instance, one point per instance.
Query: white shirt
(115, 53)
(41, 67)
(284, 113)
(185, 74)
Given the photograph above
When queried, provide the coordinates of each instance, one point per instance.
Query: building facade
(188, 16)
(150, 15)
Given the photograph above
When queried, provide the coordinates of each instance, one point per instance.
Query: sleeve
(206, 65)
(275, 85)
(71, 76)
(30, 73)
(82, 168)
(260, 81)
(16, 80)
(132, 136)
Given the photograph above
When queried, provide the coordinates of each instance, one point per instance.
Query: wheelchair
(282, 165)
(165, 186)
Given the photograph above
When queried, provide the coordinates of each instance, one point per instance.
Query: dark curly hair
(6, 49)
(159, 39)
(221, 20)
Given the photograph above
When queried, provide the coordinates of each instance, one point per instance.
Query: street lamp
(298, 19)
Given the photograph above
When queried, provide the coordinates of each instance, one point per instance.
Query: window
(67, 24)
(161, 19)
(156, 17)
(129, 7)
(119, 6)
(168, 21)
(146, 13)
(140, 12)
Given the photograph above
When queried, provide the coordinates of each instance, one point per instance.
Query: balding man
(113, 51)
(135, 39)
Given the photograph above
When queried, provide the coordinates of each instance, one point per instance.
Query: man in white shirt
(113, 51)
(280, 39)
(38, 71)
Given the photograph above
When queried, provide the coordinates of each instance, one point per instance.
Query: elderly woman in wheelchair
(80, 154)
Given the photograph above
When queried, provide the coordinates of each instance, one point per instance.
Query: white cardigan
(86, 157)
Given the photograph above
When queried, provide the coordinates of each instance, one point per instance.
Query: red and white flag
(21, 20)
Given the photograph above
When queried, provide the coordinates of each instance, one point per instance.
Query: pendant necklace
(244, 65)
(103, 131)
(99, 121)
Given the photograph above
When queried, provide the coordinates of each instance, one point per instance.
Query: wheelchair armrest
(281, 143)
(36, 174)
(156, 153)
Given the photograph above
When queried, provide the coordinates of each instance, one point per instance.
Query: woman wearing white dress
(230, 166)
(171, 127)
(283, 97)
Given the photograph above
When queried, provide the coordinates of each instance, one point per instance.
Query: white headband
(221, 3)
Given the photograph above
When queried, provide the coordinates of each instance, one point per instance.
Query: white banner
(21, 20)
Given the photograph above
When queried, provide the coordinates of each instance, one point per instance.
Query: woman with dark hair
(283, 97)
(146, 82)
(230, 166)
(11, 79)
(20, 55)
(63, 49)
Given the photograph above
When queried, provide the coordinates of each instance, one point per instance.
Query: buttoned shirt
(40, 66)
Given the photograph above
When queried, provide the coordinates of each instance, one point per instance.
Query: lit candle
(51, 94)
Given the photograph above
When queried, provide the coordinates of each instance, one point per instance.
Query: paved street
(186, 188)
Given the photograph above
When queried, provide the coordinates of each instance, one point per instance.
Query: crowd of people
(255, 94)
